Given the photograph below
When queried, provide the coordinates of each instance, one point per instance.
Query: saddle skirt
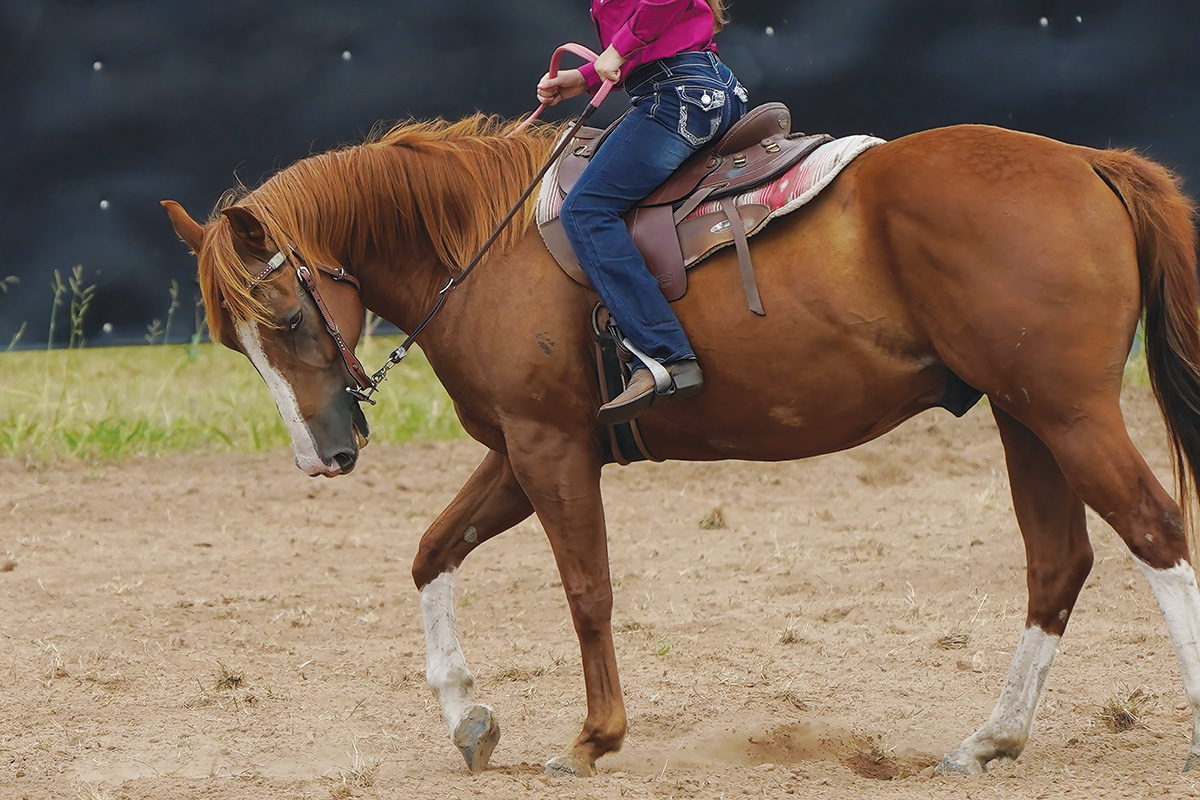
(722, 196)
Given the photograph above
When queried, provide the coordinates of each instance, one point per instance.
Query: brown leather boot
(640, 394)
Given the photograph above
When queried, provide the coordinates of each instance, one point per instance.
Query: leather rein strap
(364, 382)
(397, 355)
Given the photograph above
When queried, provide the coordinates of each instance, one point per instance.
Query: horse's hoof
(569, 765)
(1193, 762)
(476, 736)
(951, 765)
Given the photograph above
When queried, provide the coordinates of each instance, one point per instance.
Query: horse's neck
(403, 275)
(401, 291)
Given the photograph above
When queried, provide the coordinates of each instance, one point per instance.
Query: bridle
(365, 384)
(368, 384)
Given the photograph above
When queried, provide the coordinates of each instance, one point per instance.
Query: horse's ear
(188, 229)
(247, 228)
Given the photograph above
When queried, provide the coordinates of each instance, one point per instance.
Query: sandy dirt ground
(224, 627)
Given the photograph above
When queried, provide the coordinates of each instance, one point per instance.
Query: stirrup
(686, 378)
(663, 384)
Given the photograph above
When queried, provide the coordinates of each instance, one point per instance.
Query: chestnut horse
(1014, 263)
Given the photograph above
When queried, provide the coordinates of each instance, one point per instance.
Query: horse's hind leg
(490, 503)
(1110, 475)
(1058, 559)
(1105, 470)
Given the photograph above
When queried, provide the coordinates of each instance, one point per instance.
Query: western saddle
(758, 148)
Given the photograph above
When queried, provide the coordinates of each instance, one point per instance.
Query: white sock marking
(1179, 600)
(303, 444)
(1007, 729)
(445, 668)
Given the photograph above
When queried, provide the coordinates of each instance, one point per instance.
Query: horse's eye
(294, 320)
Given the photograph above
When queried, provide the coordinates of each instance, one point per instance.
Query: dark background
(108, 107)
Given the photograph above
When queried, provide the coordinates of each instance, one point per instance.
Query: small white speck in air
(1044, 22)
(103, 205)
(97, 66)
(346, 56)
(770, 30)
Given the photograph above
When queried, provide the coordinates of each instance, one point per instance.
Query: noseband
(365, 384)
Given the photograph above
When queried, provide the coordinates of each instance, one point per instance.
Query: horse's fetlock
(599, 738)
(449, 677)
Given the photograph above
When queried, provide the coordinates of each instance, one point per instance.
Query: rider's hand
(566, 84)
(608, 65)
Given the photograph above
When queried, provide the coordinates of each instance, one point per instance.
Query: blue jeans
(679, 105)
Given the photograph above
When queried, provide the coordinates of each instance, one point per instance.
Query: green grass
(1136, 371)
(112, 403)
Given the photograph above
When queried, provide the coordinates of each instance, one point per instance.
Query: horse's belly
(817, 413)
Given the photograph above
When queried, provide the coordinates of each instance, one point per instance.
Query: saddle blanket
(778, 197)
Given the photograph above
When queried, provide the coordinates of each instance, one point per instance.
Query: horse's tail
(1166, 251)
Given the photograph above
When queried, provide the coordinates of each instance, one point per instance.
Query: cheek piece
(365, 384)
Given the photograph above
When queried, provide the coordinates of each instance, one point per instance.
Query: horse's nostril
(345, 461)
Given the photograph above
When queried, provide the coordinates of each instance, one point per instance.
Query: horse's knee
(591, 608)
(443, 548)
(427, 565)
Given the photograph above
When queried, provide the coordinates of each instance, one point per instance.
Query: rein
(367, 386)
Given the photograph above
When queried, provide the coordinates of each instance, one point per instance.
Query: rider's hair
(720, 15)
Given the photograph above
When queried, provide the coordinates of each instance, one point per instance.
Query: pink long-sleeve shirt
(647, 30)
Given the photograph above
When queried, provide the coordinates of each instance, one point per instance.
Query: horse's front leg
(490, 503)
(561, 476)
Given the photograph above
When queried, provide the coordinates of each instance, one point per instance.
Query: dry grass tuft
(227, 678)
(795, 699)
(793, 636)
(362, 774)
(1126, 708)
(518, 674)
(714, 521)
(90, 792)
(300, 618)
(954, 640)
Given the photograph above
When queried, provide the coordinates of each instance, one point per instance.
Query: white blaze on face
(303, 444)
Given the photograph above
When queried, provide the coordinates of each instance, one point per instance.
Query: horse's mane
(435, 185)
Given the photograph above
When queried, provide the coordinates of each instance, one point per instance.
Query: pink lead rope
(365, 393)
(598, 98)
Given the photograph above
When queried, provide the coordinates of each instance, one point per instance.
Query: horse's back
(975, 253)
